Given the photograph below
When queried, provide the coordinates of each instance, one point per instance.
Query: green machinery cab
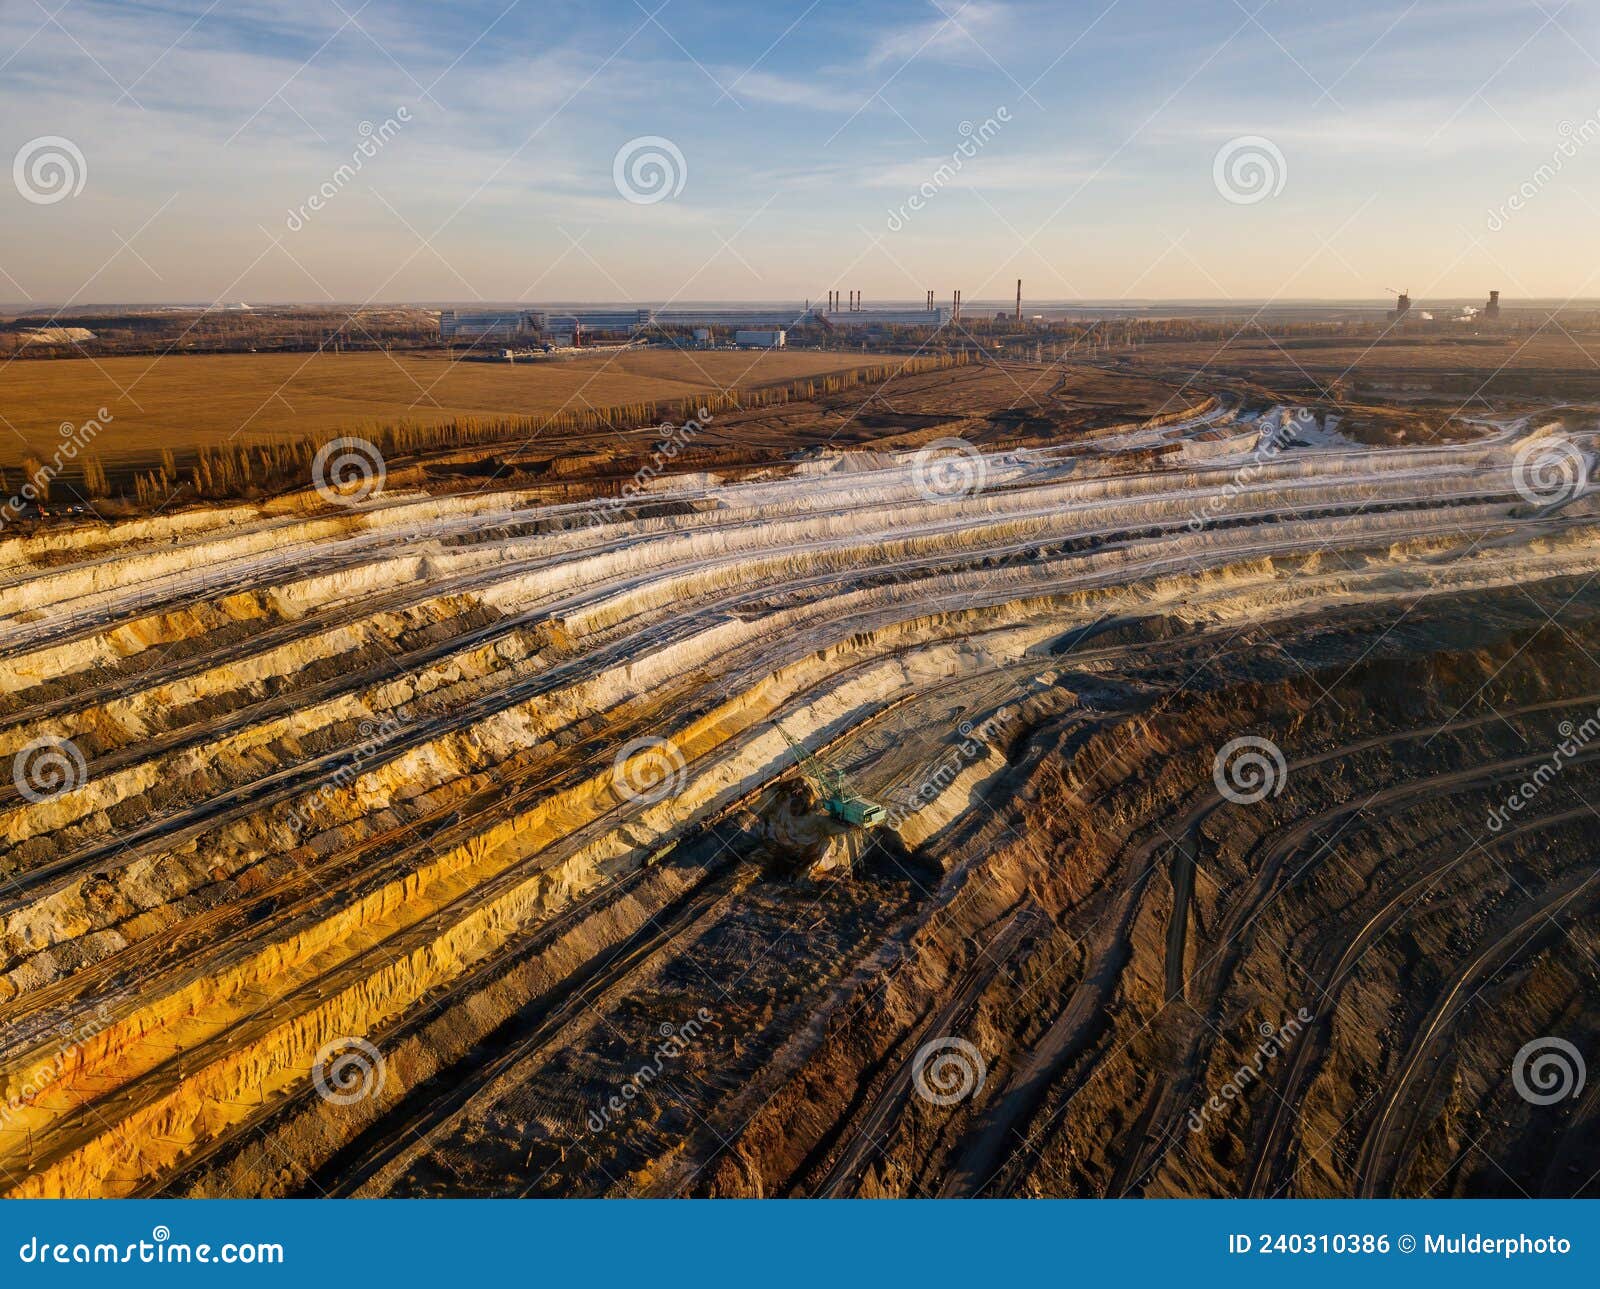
(856, 810)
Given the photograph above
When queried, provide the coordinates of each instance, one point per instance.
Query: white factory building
(752, 318)
(886, 317)
(485, 324)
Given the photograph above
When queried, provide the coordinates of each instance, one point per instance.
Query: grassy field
(184, 402)
(1551, 350)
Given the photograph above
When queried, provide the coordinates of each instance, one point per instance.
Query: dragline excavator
(833, 788)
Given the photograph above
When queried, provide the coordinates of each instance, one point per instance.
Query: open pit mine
(1194, 804)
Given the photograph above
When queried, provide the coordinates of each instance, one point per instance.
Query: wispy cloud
(952, 33)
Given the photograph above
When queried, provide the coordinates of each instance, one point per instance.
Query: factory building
(487, 325)
(508, 324)
(760, 339)
(610, 321)
(752, 318)
(887, 318)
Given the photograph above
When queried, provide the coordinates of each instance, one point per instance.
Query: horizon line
(887, 302)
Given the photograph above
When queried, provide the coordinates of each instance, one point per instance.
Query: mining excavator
(833, 788)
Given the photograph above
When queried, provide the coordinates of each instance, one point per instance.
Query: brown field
(1423, 354)
(187, 402)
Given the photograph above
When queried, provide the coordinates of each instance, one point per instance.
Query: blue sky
(1393, 135)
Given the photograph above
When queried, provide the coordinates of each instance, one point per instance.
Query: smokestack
(955, 307)
(1019, 299)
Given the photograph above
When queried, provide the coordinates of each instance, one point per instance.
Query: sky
(688, 151)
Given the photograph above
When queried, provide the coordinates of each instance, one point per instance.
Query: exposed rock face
(450, 845)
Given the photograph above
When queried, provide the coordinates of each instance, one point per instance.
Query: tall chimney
(1019, 300)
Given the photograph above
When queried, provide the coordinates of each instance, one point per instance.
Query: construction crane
(833, 787)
